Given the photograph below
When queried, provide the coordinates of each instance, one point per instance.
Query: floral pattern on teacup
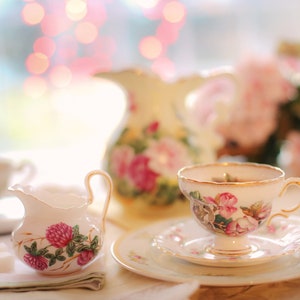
(146, 165)
(64, 244)
(216, 213)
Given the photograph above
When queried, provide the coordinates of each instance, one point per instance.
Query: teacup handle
(24, 166)
(285, 212)
(91, 194)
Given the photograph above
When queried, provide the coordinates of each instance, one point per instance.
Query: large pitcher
(158, 137)
(57, 236)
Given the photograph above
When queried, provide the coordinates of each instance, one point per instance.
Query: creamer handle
(91, 195)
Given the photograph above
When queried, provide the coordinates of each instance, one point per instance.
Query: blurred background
(50, 49)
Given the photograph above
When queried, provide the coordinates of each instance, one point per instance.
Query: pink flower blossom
(39, 263)
(85, 257)
(141, 175)
(121, 158)
(152, 128)
(263, 213)
(262, 88)
(59, 235)
(241, 226)
(220, 92)
(132, 102)
(225, 203)
(271, 228)
(167, 156)
(210, 200)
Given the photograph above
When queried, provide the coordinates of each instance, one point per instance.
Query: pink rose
(85, 257)
(241, 226)
(226, 202)
(167, 156)
(120, 159)
(263, 88)
(141, 175)
(263, 213)
(210, 200)
(152, 128)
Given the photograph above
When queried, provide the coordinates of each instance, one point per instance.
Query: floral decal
(65, 244)
(145, 165)
(216, 213)
(137, 258)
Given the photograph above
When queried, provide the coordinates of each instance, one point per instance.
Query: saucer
(135, 252)
(11, 214)
(188, 241)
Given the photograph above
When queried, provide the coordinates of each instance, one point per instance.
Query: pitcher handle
(285, 212)
(109, 183)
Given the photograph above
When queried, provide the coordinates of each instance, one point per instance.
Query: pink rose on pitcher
(121, 159)
(167, 156)
(141, 175)
(85, 257)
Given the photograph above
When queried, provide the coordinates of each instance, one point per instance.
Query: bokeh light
(60, 76)
(174, 12)
(76, 9)
(35, 86)
(37, 63)
(146, 3)
(102, 46)
(150, 47)
(167, 32)
(44, 45)
(67, 48)
(96, 13)
(86, 32)
(33, 13)
(87, 65)
(54, 24)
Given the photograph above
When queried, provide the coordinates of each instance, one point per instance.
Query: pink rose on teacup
(241, 226)
(225, 202)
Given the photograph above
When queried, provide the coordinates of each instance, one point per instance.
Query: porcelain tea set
(153, 160)
(230, 200)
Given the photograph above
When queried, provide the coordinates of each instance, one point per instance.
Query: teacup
(232, 200)
(9, 171)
